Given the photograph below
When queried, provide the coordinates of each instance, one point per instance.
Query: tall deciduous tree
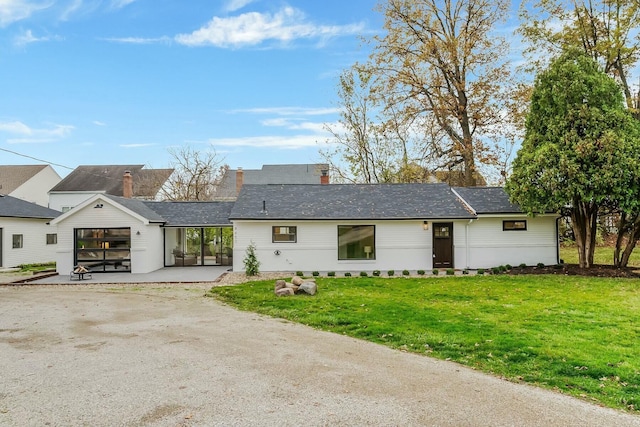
(441, 62)
(196, 174)
(580, 149)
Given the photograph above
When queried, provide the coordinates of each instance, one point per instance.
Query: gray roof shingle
(349, 201)
(193, 214)
(13, 176)
(488, 200)
(17, 208)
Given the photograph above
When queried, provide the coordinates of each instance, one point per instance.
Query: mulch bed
(575, 270)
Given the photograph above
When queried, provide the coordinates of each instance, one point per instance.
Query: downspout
(558, 240)
(466, 242)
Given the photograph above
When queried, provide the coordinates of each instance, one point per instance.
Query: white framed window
(17, 241)
(515, 225)
(356, 242)
(284, 234)
(52, 239)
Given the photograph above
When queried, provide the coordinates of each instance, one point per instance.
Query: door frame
(449, 263)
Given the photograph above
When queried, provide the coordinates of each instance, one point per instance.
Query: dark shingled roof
(18, 208)
(349, 201)
(487, 200)
(13, 176)
(272, 174)
(108, 179)
(193, 214)
(137, 206)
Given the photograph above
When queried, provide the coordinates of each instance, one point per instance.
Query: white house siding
(71, 199)
(399, 245)
(490, 246)
(34, 241)
(36, 189)
(146, 248)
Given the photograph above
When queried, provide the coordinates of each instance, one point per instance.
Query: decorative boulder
(280, 284)
(308, 287)
(296, 280)
(284, 292)
(292, 286)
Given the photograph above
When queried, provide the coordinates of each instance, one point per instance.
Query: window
(17, 241)
(284, 234)
(52, 239)
(66, 208)
(514, 225)
(356, 242)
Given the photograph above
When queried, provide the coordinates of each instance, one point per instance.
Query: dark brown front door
(442, 245)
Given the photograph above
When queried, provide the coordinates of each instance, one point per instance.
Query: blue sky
(121, 81)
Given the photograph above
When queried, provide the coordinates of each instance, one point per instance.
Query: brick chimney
(324, 177)
(127, 185)
(239, 180)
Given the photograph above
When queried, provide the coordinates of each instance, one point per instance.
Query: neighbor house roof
(192, 214)
(349, 201)
(108, 179)
(487, 200)
(13, 176)
(272, 174)
(17, 208)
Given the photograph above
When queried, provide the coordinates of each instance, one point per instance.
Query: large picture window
(356, 242)
(284, 234)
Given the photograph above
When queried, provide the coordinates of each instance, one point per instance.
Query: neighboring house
(309, 227)
(233, 179)
(28, 182)
(116, 180)
(110, 234)
(387, 227)
(25, 236)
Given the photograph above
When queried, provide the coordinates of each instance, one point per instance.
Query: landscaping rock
(280, 284)
(284, 292)
(296, 280)
(292, 286)
(308, 287)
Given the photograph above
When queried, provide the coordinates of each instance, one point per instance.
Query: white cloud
(138, 40)
(27, 37)
(282, 142)
(99, 123)
(73, 7)
(233, 5)
(117, 4)
(288, 111)
(30, 135)
(17, 10)
(253, 28)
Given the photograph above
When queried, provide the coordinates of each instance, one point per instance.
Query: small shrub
(465, 271)
(421, 272)
(480, 271)
(508, 266)
(435, 272)
(523, 265)
(363, 274)
(347, 274)
(391, 272)
(299, 273)
(502, 268)
(315, 273)
(376, 273)
(331, 273)
(540, 265)
(558, 266)
(251, 263)
(405, 272)
(450, 272)
(495, 270)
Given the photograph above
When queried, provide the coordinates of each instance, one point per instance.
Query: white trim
(100, 198)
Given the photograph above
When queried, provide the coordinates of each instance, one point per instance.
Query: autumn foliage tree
(440, 63)
(196, 174)
(581, 149)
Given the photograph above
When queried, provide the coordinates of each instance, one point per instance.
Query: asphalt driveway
(106, 355)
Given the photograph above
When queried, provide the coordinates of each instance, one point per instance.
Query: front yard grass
(577, 335)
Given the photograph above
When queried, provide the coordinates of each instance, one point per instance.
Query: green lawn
(574, 334)
(602, 255)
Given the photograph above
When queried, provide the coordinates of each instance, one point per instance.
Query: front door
(442, 245)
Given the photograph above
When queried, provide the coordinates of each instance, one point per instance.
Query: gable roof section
(12, 207)
(139, 207)
(488, 200)
(13, 176)
(193, 214)
(108, 179)
(349, 201)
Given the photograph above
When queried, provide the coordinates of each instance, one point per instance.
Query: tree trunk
(584, 216)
